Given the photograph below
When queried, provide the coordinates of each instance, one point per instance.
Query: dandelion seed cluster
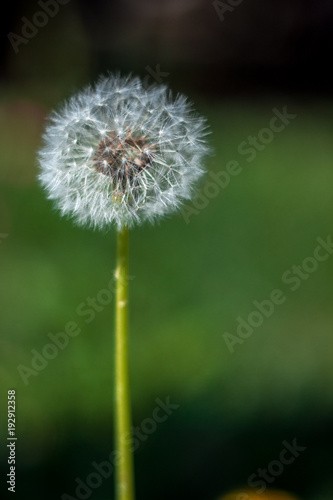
(120, 153)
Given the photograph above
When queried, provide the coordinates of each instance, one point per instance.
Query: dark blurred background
(238, 61)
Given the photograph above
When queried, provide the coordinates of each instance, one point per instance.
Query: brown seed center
(122, 159)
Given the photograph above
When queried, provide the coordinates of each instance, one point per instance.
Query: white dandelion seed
(120, 153)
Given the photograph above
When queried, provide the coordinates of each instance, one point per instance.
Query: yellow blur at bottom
(267, 495)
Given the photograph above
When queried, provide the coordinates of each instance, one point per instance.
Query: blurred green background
(190, 282)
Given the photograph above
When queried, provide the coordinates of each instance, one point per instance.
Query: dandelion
(120, 154)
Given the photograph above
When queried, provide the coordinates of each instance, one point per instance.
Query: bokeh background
(237, 61)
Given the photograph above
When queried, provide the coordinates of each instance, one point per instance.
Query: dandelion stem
(124, 468)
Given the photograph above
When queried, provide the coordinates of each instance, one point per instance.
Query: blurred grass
(190, 283)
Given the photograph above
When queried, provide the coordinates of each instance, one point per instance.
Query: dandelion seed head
(121, 153)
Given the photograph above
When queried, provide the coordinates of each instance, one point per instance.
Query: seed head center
(122, 159)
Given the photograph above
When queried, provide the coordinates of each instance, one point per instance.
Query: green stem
(123, 433)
